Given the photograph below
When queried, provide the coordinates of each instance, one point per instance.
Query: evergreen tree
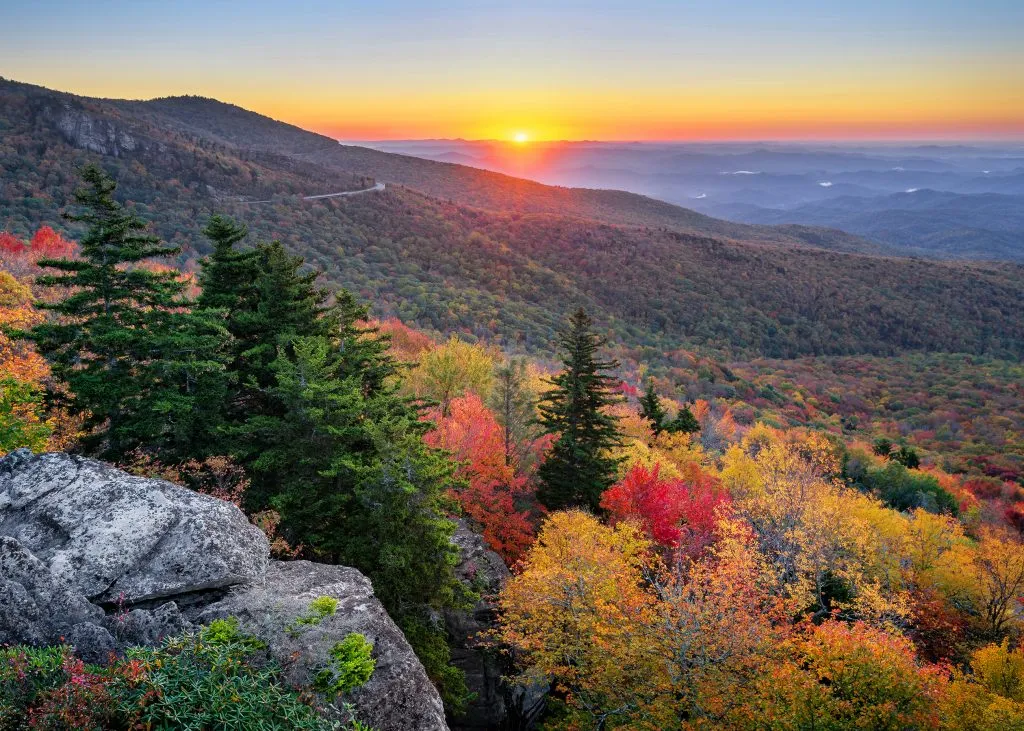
(579, 468)
(684, 423)
(651, 408)
(331, 445)
(228, 276)
(286, 304)
(266, 302)
(142, 366)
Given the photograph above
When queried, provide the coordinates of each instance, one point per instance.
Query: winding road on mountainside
(373, 189)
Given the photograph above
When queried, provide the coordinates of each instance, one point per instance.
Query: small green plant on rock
(351, 664)
(319, 609)
(226, 632)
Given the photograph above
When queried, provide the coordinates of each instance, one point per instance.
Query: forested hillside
(509, 275)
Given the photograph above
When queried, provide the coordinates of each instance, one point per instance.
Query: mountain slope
(232, 125)
(508, 275)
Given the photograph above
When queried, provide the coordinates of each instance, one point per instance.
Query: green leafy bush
(216, 678)
(226, 632)
(350, 665)
(905, 489)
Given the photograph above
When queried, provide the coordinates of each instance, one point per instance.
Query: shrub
(906, 489)
(226, 632)
(350, 666)
(212, 679)
(319, 609)
(216, 678)
(50, 688)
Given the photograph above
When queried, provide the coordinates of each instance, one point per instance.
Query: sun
(520, 138)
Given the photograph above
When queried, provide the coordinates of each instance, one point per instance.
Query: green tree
(228, 276)
(579, 466)
(651, 408)
(684, 423)
(339, 453)
(906, 456)
(144, 368)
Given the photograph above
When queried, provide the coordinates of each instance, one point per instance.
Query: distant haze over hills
(950, 200)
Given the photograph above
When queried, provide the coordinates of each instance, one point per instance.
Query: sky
(640, 70)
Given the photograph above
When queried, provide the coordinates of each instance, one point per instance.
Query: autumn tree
(630, 642)
(452, 369)
(498, 499)
(839, 676)
(675, 513)
(999, 577)
(577, 613)
(143, 368)
(513, 403)
(579, 466)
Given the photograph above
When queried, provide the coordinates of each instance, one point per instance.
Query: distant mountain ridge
(918, 222)
(457, 249)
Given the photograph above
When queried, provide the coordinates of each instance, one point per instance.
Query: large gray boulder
(100, 559)
(399, 687)
(119, 538)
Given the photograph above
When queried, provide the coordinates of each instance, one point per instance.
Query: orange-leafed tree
(848, 676)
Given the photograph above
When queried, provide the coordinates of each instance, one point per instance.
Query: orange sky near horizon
(554, 70)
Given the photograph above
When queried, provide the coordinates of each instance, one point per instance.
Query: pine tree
(287, 305)
(684, 423)
(228, 276)
(651, 408)
(579, 468)
(142, 366)
(341, 457)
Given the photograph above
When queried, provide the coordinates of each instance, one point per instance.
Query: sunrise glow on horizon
(556, 71)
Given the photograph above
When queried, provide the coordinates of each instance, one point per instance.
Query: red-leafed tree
(48, 244)
(677, 513)
(496, 498)
(11, 244)
(1015, 517)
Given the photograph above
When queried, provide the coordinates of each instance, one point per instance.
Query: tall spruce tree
(331, 445)
(228, 275)
(651, 408)
(579, 467)
(144, 369)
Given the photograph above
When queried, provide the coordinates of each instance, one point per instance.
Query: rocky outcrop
(100, 559)
(398, 687)
(119, 538)
(497, 704)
